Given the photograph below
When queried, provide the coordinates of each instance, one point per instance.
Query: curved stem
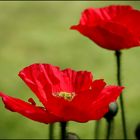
(51, 131)
(118, 58)
(63, 130)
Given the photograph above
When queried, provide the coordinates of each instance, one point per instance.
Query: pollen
(66, 95)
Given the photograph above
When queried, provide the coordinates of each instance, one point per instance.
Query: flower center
(66, 95)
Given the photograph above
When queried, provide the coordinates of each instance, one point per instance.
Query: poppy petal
(98, 85)
(67, 95)
(77, 81)
(101, 105)
(131, 20)
(81, 103)
(46, 80)
(112, 27)
(102, 33)
(43, 79)
(94, 16)
(80, 80)
(28, 110)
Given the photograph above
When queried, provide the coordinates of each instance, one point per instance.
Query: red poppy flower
(65, 95)
(112, 27)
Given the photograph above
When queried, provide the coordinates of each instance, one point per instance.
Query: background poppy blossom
(112, 27)
(65, 94)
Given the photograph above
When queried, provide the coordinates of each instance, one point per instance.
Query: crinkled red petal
(131, 21)
(43, 79)
(28, 110)
(46, 80)
(94, 16)
(91, 104)
(112, 27)
(80, 80)
(110, 35)
(83, 101)
(101, 105)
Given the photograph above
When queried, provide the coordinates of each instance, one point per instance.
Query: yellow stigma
(66, 95)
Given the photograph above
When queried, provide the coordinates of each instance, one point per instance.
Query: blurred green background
(32, 32)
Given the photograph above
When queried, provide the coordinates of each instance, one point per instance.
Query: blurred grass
(32, 32)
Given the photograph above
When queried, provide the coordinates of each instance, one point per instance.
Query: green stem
(118, 58)
(51, 131)
(109, 128)
(63, 130)
(97, 126)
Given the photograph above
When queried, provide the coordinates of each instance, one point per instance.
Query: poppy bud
(113, 109)
(137, 131)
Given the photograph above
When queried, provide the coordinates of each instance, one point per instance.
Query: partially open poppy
(66, 95)
(112, 27)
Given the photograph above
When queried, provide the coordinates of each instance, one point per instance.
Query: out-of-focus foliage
(33, 32)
